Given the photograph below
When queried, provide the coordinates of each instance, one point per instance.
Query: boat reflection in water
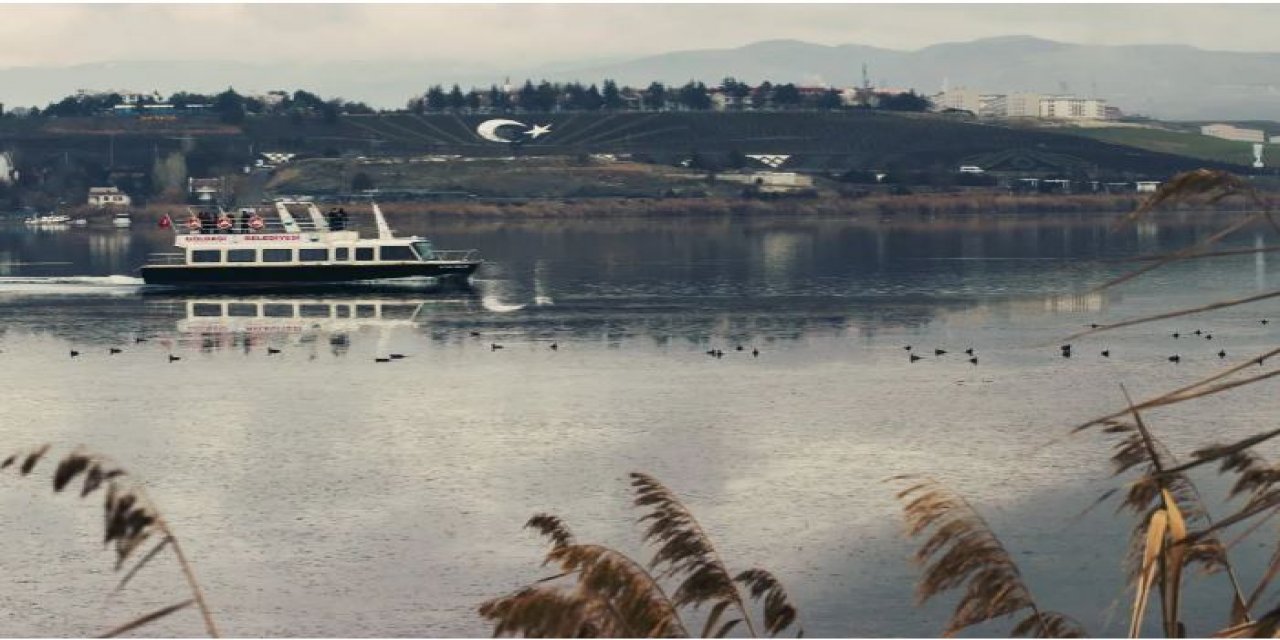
(225, 322)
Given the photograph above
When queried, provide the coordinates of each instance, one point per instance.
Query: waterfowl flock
(913, 355)
(1066, 351)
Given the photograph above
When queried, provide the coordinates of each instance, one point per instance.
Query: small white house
(108, 197)
(771, 181)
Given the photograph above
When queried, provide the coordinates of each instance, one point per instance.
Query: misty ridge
(1176, 82)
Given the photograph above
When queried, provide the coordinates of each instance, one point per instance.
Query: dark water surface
(320, 493)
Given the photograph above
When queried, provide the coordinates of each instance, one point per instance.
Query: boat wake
(55, 285)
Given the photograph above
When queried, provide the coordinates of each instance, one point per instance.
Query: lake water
(320, 493)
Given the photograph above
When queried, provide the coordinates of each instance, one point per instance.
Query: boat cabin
(212, 236)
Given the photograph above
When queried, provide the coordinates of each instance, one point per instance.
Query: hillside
(816, 141)
(1193, 145)
(61, 158)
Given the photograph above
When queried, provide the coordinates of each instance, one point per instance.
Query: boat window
(277, 255)
(241, 255)
(206, 310)
(206, 255)
(314, 310)
(277, 310)
(398, 252)
(342, 254)
(366, 311)
(424, 249)
(398, 311)
(364, 253)
(313, 255)
(343, 311)
(242, 310)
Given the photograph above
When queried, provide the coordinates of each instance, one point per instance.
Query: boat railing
(453, 255)
(270, 223)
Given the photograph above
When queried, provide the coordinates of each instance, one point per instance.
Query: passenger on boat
(243, 227)
(339, 221)
(207, 222)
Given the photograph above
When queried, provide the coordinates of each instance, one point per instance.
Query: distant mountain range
(1174, 82)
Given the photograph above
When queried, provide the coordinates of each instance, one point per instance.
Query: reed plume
(602, 592)
(130, 522)
(963, 551)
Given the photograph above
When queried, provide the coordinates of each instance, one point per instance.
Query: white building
(960, 99)
(770, 181)
(1072, 108)
(108, 196)
(1229, 132)
(1022, 105)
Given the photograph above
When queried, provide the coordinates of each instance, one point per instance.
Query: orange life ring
(224, 223)
(193, 223)
(256, 223)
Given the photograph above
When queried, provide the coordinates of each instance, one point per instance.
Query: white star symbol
(538, 130)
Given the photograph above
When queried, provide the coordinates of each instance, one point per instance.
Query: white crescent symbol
(489, 129)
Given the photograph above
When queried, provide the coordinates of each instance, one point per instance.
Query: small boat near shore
(278, 247)
(50, 219)
(121, 220)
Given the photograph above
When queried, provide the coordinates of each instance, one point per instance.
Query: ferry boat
(218, 249)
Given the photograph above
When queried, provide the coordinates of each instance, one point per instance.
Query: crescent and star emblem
(489, 130)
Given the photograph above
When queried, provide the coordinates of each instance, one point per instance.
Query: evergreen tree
(456, 100)
(229, 106)
(547, 96)
(592, 100)
(655, 97)
(436, 99)
(612, 97)
(762, 97)
(910, 101)
(695, 96)
(575, 97)
(830, 100)
(786, 96)
(528, 97)
(498, 99)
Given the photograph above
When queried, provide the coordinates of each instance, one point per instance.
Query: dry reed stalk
(130, 521)
(963, 551)
(601, 592)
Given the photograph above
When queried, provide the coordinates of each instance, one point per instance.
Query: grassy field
(1192, 145)
(526, 177)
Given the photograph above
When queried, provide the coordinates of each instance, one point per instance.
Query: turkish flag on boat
(165, 222)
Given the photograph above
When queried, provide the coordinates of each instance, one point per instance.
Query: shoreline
(876, 206)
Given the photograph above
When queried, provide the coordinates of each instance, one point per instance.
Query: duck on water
(217, 248)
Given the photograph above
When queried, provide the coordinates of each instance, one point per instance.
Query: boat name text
(247, 238)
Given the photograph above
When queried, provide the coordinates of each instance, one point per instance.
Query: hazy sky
(43, 35)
